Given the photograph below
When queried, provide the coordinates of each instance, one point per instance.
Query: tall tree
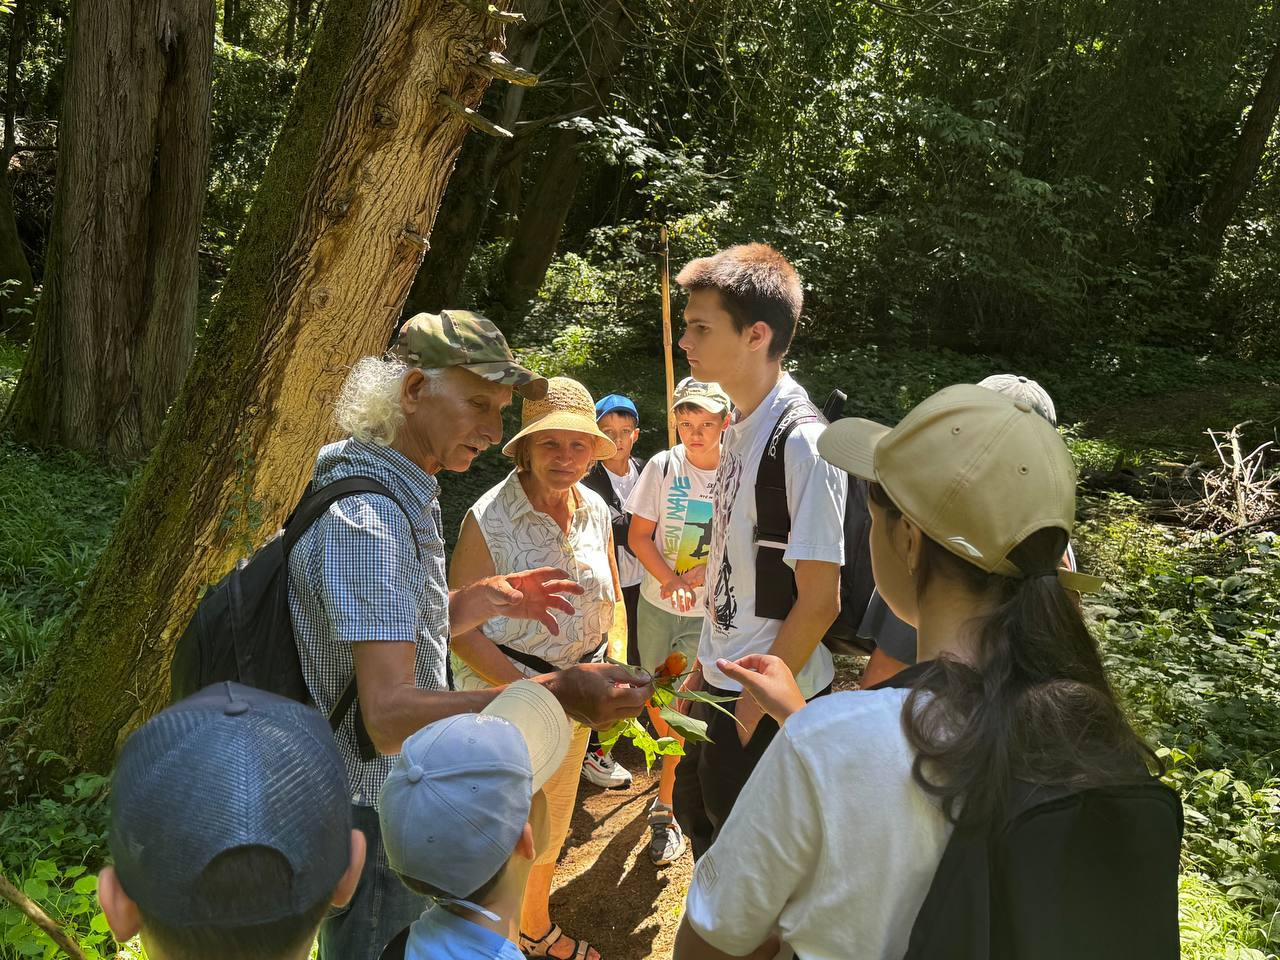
(335, 235)
(466, 204)
(115, 326)
(1219, 210)
(547, 205)
(15, 271)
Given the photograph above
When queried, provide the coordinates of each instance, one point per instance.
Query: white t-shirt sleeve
(816, 493)
(766, 851)
(646, 497)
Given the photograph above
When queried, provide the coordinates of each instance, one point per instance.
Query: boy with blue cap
(230, 829)
(462, 817)
(614, 479)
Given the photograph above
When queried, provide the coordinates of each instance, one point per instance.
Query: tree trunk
(290, 29)
(534, 245)
(319, 275)
(1221, 207)
(15, 271)
(231, 21)
(115, 326)
(438, 284)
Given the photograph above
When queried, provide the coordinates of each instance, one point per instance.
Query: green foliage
(1190, 630)
(56, 511)
(51, 848)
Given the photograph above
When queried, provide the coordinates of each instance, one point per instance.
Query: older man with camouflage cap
(368, 591)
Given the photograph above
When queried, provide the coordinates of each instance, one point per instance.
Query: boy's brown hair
(756, 284)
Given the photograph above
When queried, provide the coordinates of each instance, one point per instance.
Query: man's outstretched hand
(598, 694)
(532, 595)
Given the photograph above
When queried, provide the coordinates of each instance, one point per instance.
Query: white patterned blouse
(522, 538)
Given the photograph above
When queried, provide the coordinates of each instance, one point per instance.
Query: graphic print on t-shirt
(724, 606)
(695, 547)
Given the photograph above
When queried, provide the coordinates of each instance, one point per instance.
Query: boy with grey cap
(462, 817)
(230, 829)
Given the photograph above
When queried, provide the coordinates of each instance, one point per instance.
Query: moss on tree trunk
(317, 280)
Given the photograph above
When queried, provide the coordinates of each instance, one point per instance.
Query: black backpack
(242, 629)
(775, 581)
(1068, 874)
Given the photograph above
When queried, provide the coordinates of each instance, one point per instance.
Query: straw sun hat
(567, 406)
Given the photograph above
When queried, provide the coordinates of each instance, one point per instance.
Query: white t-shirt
(629, 568)
(816, 494)
(831, 845)
(675, 495)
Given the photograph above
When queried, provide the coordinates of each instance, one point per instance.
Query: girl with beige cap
(541, 516)
(835, 841)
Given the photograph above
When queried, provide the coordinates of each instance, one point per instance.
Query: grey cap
(226, 768)
(457, 799)
(1025, 389)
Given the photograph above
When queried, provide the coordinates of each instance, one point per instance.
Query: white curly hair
(368, 407)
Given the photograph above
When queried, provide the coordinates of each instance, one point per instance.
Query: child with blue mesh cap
(230, 829)
(462, 817)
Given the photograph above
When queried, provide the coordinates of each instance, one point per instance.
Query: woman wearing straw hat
(835, 841)
(540, 515)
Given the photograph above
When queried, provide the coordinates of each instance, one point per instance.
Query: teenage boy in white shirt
(670, 534)
(744, 304)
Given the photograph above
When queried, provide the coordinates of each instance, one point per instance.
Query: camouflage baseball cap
(460, 338)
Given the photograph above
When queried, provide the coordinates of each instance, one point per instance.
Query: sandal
(542, 948)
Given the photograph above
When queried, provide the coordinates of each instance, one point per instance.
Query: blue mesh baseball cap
(616, 403)
(455, 803)
(227, 768)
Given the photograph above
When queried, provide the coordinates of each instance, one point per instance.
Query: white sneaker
(604, 771)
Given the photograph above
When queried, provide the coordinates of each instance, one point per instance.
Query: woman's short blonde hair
(368, 407)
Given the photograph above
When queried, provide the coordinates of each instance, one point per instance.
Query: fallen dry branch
(1241, 492)
(41, 919)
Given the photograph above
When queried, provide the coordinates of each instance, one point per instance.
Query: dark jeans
(712, 774)
(381, 908)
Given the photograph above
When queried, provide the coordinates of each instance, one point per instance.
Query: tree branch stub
(483, 124)
(500, 68)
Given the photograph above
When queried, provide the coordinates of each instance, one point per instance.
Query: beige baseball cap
(533, 710)
(709, 396)
(976, 471)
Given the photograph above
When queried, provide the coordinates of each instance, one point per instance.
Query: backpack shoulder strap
(308, 511)
(775, 581)
(315, 502)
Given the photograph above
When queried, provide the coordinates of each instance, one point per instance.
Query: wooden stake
(666, 337)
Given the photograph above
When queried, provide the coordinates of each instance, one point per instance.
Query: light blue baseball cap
(455, 803)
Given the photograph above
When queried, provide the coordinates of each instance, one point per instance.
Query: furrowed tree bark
(1221, 207)
(115, 326)
(538, 232)
(328, 252)
(464, 211)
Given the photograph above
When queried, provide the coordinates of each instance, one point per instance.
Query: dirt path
(607, 890)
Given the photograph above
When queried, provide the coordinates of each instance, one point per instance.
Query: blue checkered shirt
(356, 576)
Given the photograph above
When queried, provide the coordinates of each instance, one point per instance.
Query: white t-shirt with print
(831, 844)
(630, 570)
(816, 493)
(676, 496)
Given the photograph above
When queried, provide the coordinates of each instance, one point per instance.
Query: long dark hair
(1035, 707)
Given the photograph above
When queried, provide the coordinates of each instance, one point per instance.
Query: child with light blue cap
(461, 816)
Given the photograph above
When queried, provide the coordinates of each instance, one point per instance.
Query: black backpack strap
(309, 509)
(775, 581)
